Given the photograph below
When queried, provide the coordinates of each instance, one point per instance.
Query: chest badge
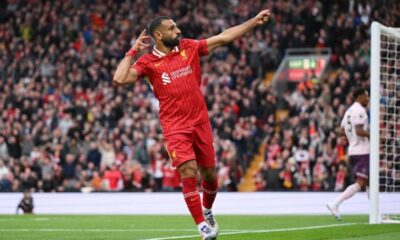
(183, 54)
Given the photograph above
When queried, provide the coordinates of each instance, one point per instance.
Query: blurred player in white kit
(355, 126)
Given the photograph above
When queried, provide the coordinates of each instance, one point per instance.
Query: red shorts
(194, 143)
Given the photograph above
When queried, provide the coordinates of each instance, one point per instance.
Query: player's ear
(157, 35)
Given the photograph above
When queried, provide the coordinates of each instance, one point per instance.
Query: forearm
(363, 133)
(238, 31)
(122, 71)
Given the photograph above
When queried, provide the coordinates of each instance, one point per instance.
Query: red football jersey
(175, 78)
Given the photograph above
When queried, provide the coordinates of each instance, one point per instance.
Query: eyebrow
(172, 26)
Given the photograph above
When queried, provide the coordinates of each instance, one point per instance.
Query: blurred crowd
(306, 153)
(65, 127)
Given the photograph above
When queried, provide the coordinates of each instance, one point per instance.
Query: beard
(171, 42)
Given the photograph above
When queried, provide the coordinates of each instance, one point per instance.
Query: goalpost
(385, 125)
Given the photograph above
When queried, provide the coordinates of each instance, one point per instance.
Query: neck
(163, 48)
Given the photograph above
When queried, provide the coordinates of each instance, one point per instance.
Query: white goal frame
(376, 30)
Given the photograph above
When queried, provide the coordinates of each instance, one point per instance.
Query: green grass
(124, 227)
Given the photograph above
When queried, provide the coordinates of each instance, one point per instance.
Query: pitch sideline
(261, 231)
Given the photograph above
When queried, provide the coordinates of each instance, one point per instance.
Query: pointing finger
(143, 33)
(144, 37)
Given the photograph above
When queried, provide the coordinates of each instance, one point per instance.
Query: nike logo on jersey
(165, 78)
(158, 64)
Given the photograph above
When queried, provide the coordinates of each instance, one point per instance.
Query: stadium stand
(64, 127)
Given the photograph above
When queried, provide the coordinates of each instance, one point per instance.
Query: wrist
(253, 22)
(132, 52)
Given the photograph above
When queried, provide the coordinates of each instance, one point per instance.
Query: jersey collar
(160, 54)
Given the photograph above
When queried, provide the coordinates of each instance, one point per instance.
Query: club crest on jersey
(183, 54)
(165, 78)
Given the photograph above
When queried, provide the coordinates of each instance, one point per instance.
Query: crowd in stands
(65, 127)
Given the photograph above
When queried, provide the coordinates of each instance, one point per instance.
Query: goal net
(385, 124)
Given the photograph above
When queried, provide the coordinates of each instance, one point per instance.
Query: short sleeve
(199, 45)
(141, 67)
(360, 117)
(203, 47)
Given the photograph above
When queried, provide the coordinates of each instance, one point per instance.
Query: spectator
(95, 183)
(69, 167)
(3, 148)
(107, 154)
(94, 155)
(113, 179)
(3, 169)
(48, 184)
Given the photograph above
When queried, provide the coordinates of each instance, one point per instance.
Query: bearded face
(171, 42)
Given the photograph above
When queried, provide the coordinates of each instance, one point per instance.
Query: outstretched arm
(125, 74)
(235, 32)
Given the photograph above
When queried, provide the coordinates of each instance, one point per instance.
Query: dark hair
(155, 23)
(358, 92)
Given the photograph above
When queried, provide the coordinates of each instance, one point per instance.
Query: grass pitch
(132, 227)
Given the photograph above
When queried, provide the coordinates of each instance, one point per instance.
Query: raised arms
(125, 74)
(235, 32)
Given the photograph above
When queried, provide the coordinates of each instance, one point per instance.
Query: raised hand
(262, 17)
(141, 43)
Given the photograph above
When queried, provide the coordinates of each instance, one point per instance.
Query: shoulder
(145, 61)
(347, 112)
(147, 57)
(359, 109)
(187, 42)
(358, 113)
